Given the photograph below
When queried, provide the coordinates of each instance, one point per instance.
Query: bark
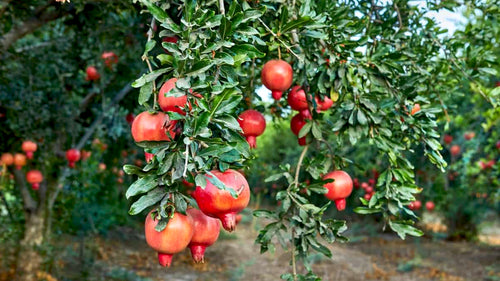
(29, 259)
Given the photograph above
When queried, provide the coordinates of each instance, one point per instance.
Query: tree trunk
(29, 259)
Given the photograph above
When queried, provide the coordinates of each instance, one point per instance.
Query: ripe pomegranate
(429, 205)
(324, 104)
(73, 156)
(455, 150)
(364, 185)
(253, 125)
(369, 189)
(102, 166)
(368, 196)
(277, 76)
(447, 139)
(19, 160)
(355, 183)
(415, 205)
(148, 156)
(219, 203)
(7, 159)
(498, 144)
(29, 147)
(206, 232)
(92, 74)
(415, 109)
(339, 189)
(34, 177)
(153, 127)
(173, 104)
(371, 182)
(109, 58)
(171, 240)
(297, 99)
(296, 125)
(86, 154)
(130, 118)
(469, 135)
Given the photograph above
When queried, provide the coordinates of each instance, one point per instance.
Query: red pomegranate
(455, 150)
(497, 145)
(447, 139)
(153, 127)
(109, 58)
(73, 156)
(171, 240)
(92, 74)
(253, 125)
(19, 160)
(86, 154)
(7, 159)
(34, 177)
(429, 205)
(339, 189)
(29, 147)
(277, 76)
(368, 196)
(415, 109)
(206, 232)
(219, 203)
(296, 125)
(364, 185)
(469, 135)
(130, 118)
(173, 104)
(324, 104)
(297, 99)
(415, 205)
(369, 189)
(148, 156)
(355, 183)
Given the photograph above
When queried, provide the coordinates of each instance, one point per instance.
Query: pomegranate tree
(206, 232)
(253, 125)
(339, 189)
(34, 177)
(29, 148)
(174, 238)
(220, 203)
(277, 76)
(73, 155)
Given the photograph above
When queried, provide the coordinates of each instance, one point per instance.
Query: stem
(294, 263)
(301, 158)
(221, 7)
(279, 39)
(444, 108)
(399, 16)
(184, 174)
(146, 58)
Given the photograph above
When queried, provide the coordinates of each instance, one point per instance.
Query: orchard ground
(123, 255)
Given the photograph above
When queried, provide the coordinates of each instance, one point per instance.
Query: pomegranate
(253, 125)
(339, 189)
(148, 156)
(447, 139)
(173, 104)
(73, 156)
(277, 76)
(153, 127)
(219, 203)
(86, 154)
(415, 205)
(324, 104)
(206, 232)
(368, 196)
(130, 118)
(34, 177)
(455, 150)
(415, 109)
(102, 166)
(371, 182)
(7, 159)
(369, 189)
(296, 125)
(171, 240)
(364, 185)
(109, 58)
(19, 160)
(92, 74)
(469, 135)
(497, 145)
(429, 205)
(29, 147)
(355, 183)
(297, 99)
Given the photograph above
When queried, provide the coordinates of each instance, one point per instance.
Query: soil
(124, 255)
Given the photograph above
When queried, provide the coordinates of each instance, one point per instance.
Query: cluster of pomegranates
(417, 204)
(110, 59)
(368, 187)
(33, 177)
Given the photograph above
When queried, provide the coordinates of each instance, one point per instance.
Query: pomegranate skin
(148, 156)
(29, 147)
(206, 232)
(253, 125)
(172, 104)
(296, 125)
(455, 150)
(152, 127)
(34, 177)
(19, 160)
(324, 104)
(218, 203)
(297, 99)
(7, 159)
(339, 189)
(277, 76)
(171, 240)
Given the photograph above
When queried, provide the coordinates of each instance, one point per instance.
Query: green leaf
(199, 67)
(305, 130)
(149, 46)
(248, 50)
(264, 214)
(159, 14)
(162, 224)
(153, 197)
(219, 184)
(200, 181)
(142, 185)
(145, 93)
(295, 24)
(403, 229)
(133, 170)
(228, 121)
(149, 77)
(365, 210)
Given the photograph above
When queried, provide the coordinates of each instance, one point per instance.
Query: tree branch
(29, 203)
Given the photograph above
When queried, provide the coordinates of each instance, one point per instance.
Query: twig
(221, 7)
(444, 108)
(297, 171)
(184, 174)
(294, 263)
(279, 39)
(146, 58)
(399, 16)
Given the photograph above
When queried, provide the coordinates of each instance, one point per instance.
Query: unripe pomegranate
(277, 76)
(296, 125)
(19, 160)
(29, 147)
(173, 104)
(92, 74)
(339, 189)
(253, 125)
(171, 240)
(447, 139)
(7, 159)
(297, 99)
(219, 203)
(73, 156)
(109, 58)
(148, 156)
(153, 127)
(455, 150)
(429, 205)
(34, 177)
(206, 232)
(415, 109)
